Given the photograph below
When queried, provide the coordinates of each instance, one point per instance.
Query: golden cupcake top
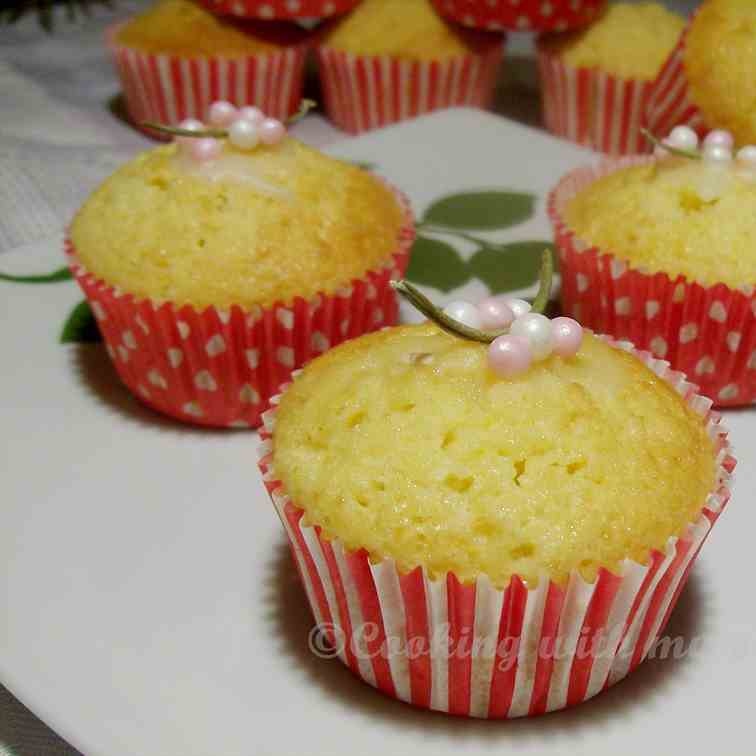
(409, 29)
(407, 443)
(236, 226)
(184, 28)
(720, 64)
(631, 41)
(680, 216)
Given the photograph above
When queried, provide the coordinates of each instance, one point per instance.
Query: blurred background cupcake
(708, 81)
(216, 267)
(520, 541)
(176, 58)
(595, 82)
(282, 10)
(660, 251)
(522, 15)
(389, 60)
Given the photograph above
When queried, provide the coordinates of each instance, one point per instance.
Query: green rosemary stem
(546, 276)
(304, 108)
(421, 303)
(690, 154)
(176, 131)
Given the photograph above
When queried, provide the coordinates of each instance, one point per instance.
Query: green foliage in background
(12, 10)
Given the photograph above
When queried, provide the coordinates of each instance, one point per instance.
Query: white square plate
(149, 604)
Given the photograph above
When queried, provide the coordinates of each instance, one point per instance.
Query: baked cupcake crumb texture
(406, 444)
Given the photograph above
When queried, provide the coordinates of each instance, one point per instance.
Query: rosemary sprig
(421, 303)
(305, 106)
(690, 154)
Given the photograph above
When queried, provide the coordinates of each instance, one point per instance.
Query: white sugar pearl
(682, 137)
(717, 153)
(244, 134)
(719, 138)
(537, 331)
(191, 124)
(519, 307)
(747, 156)
(464, 312)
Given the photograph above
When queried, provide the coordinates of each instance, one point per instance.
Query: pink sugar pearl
(252, 114)
(568, 336)
(272, 131)
(205, 149)
(509, 356)
(719, 138)
(495, 314)
(189, 124)
(222, 114)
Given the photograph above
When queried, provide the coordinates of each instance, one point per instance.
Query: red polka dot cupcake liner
(593, 108)
(167, 89)
(708, 333)
(368, 92)
(281, 10)
(220, 367)
(521, 15)
(669, 103)
(480, 651)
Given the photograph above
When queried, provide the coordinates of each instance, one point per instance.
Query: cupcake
(595, 82)
(707, 82)
(283, 10)
(522, 15)
(490, 540)
(215, 268)
(659, 250)
(390, 60)
(176, 58)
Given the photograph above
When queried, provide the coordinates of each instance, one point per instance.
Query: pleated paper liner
(475, 650)
(706, 332)
(363, 92)
(220, 368)
(169, 88)
(593, 108)
(280, 10)
(521, 15)
(669, 103)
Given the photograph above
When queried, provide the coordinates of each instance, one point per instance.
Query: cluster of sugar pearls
(532, 337)
(247, 127)
(717, 146)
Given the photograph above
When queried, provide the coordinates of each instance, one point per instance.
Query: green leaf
(481, 210)
(437, 264)
(507, 267)
(81, 326)
(62, 274)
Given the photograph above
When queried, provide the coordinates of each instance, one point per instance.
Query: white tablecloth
(61, 133)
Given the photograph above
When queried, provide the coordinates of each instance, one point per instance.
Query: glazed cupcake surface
(181, 27)
(678, 216)
(249, 228)
(405, 443)
(629, 41)
(409, 29)
(720, 64)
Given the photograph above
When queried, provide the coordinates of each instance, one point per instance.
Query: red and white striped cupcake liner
(367, 92)
(167, 89)
(220, 368)
(521, 15)
(476, 650)
(593, 108)
(280, 10)
(669, 103)
(709, 333)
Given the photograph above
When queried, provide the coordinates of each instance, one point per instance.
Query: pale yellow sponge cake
(252, 228)
(628, 41)
(405, 443)
(720, 64)
(677, 216)
(403, 29)
(183, 28)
